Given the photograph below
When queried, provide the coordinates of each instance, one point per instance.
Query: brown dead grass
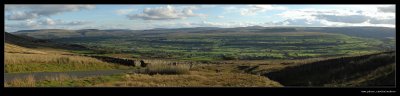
(195, 79)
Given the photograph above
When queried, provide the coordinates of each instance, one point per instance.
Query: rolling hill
(244, 43)
(367, 32)
(27, 54)
(30, 42)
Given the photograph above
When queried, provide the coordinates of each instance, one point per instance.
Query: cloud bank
(24, 12)
(165, 13)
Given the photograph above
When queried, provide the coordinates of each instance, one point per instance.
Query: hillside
(367, 32)
(367, 70)
(27, 54)
(30, 42)
(51, 33)
(11, 48)
(274, 48)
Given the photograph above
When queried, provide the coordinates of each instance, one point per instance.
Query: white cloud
(24, 12)
(230, 9)
(250, 10)
(124, 11)
(27, 24)
(30, 23)
(320, 23)
(345, 19)
(254, 9)
(165, 13)
(20, 15)
(48, 21)
(368, 10)
(207, 6)
(382, 21)
(44, 24)
(337, 17)
(390, 9)
(51, 22)
(299, 22)
(220, 17)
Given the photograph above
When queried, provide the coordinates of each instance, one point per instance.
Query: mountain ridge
(367, 32)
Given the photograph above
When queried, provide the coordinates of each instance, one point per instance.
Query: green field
(232, 45)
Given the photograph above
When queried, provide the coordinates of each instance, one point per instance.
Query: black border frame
(193, 91)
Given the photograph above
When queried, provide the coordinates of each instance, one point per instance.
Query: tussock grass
(158, 66)
(157, 61)
(10, 48)
(162, 62)
(55, 81)
(168, 69)
(48, 59)
(382, 76)
(339, 70)
(194, 79)
(28, 81)
(197, 79)
(60, 77)
(52, 63)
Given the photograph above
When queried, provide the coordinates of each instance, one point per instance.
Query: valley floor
(54, 68)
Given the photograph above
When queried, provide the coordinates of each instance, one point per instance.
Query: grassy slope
(381, 76)
(335, 72)
(194, 79)
(30, 42)
(40, 58)
(232, 73)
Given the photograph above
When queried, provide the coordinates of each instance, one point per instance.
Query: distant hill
(51, 34)
(30, 42)
(366, 32)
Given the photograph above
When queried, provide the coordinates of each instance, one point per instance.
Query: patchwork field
(233, 46)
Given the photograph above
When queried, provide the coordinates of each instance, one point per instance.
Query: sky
(141, 16)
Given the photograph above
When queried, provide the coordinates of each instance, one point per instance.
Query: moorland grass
(194, 79)
(168, 69)
(16, 63)
(332, 70)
